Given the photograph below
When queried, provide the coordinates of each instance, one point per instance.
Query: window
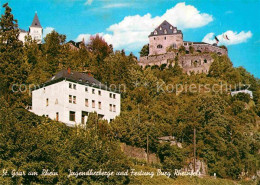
(70, 85)
(47, 102)
(43, 90)
(86, 89)
(171, 27)
(155, 32)
(56, 101)
(174, 46)
(174, 31)
(93, 91)
(99, 93)
(114, 108)
(164, 38)
(110, 95)
(72, 116)
(160, 28)
(86, 102)
(70, 98)
(159, 46)
(74, 99)
(165, 31)
(93, 103)
(74, 86)
(110, 107)
(99, 105)
(114, 96)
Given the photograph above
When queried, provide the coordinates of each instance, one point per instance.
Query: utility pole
(139, 113)
(194, 149)
(147, 147)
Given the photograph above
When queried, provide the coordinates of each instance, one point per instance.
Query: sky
(127, 23)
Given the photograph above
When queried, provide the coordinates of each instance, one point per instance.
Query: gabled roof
(76, 77)
(21, 30)
(36, 22)
(165, 28)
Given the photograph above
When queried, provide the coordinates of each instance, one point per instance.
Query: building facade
(163, 37)
(70, 96)
(35, 31)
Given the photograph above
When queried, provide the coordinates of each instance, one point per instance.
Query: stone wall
(197, 63)
(205, 47)
(138, 153)
(165, 41)
(156, 59)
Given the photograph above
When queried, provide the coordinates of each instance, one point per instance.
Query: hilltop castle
(35, 31)
(164, 44)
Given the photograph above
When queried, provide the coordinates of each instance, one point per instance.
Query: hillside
(156, 101)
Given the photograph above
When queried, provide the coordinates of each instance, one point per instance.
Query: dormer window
(155, 32)
(165, 31)
(171, 27)
(160, 28)
(175, 31)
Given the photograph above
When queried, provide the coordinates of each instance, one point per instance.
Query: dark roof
(200, 43)
(21, 30)
(36, 22)
(196, 42)
(76, 77)
(76, 44)
(165, 26)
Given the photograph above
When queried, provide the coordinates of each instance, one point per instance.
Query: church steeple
(36, 23)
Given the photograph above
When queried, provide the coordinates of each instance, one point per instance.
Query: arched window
(155, 32)
(175, 31)
(160, 28)
(165, 31)
(159, 46)
(171, 27)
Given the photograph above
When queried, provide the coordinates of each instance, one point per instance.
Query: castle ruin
(164, 48)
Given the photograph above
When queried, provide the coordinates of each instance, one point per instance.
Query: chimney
(69, 70)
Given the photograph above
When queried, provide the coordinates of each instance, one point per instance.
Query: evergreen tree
(144, 51)
(13, 69)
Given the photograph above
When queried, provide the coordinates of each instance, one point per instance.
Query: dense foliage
(152, 106)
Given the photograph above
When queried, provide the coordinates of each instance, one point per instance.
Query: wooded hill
(227, 129)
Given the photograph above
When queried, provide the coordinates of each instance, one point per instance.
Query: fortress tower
(163, 37)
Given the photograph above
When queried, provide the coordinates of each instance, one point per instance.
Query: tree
(241, 97)
(177, 70)
(191, 49)
(55, 51)
(12, 66)
(144, 51)
(99, 47)
(182, 49)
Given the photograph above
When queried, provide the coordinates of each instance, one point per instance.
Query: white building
(35, 31)
(70, 96)
(243, 91)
